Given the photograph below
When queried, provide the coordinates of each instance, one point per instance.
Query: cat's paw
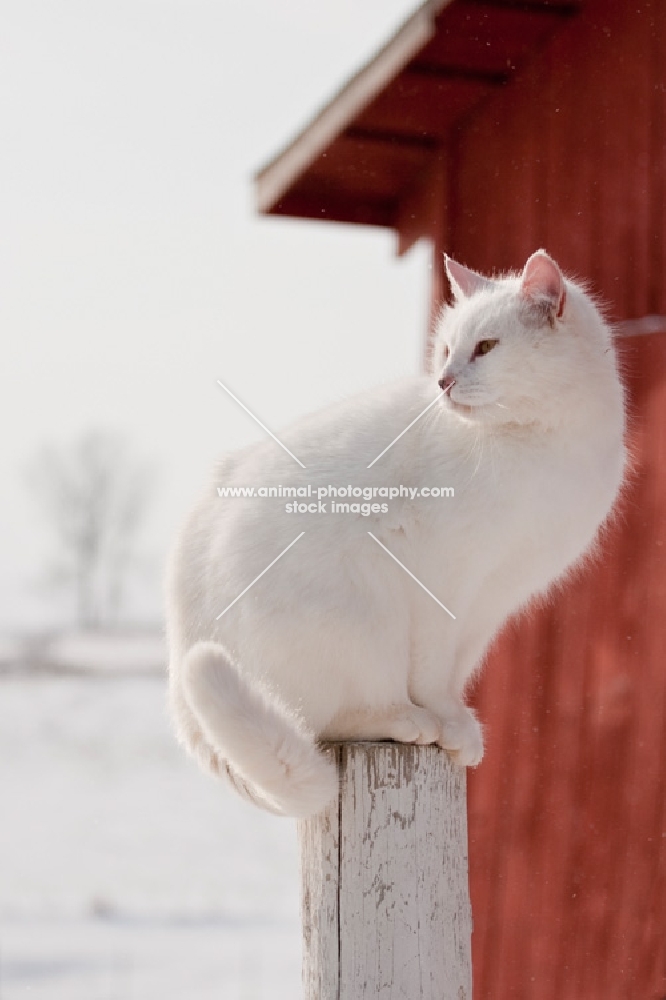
(413, 724)
(462, 736)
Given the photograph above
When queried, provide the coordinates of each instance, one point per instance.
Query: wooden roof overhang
(361, 159)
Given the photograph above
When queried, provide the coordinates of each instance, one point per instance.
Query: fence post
(385, 900)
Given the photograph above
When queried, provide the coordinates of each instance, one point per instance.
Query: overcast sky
(133, 270)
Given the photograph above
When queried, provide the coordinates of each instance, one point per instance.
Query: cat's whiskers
(493, 454)
(430, 422)
(475, 448)
(433, 416)
(481, 440)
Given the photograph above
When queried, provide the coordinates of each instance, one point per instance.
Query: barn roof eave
(279, 174)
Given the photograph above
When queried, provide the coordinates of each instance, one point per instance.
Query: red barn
(492, 128)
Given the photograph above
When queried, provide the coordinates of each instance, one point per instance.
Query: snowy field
(124, 872)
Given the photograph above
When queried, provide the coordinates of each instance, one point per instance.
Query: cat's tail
(269, 755)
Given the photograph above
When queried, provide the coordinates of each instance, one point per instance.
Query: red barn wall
(571, 156)
(568, 810)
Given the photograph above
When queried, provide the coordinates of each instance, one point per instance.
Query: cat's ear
(463, 281)
(542, 285)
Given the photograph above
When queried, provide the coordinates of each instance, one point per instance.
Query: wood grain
(386, 908)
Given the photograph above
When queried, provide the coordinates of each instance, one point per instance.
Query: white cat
(338, 641)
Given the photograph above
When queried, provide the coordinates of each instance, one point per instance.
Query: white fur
(336, 641)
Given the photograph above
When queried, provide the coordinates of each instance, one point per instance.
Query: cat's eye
(483, 347)
(445, 352)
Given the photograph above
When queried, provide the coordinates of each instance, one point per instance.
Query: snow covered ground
(124, 872)
(85, 653)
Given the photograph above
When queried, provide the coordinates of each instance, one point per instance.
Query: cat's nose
(446, 382)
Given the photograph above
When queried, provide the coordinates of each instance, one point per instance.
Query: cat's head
(519, 349)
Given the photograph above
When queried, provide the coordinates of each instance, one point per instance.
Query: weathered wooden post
(385, 902)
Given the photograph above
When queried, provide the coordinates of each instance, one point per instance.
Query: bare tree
(94, 494)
